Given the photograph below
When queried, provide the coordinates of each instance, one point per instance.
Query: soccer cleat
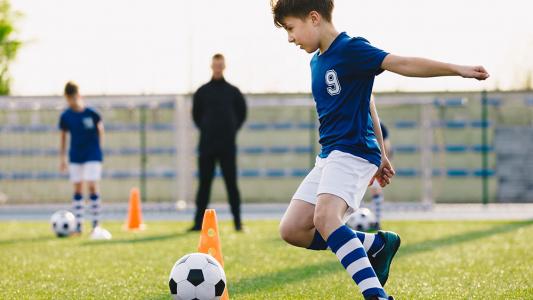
(382, 259)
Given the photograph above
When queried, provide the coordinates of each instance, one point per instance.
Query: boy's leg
(345, 244)
(75, 176)
(77, 206)
(94, 205)
(347, 177)
(92, 173)
(377, 200)
(296, 226)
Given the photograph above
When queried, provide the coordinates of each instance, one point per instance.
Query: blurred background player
(375, 188)
(219, 110)
(85, 154)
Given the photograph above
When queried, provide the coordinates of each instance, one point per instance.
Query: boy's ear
(315, 17)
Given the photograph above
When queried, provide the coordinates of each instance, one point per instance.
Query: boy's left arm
(421, 67)
(101, 132)
(385, 171)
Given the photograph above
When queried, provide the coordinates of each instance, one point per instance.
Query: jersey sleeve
(63, 123)
(365, 59)
(96, 116)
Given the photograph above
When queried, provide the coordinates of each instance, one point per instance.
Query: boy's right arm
(62, 151)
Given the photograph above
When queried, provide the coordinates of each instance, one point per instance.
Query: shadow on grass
(28, 240)
(287, 276)
(141, 239)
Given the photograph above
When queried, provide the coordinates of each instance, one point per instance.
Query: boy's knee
(93, 188)
(320, 220)
(326, 220)
(286, 232)
(78, 188)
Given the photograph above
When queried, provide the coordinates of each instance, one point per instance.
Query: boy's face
(73, 101)
(303, 32)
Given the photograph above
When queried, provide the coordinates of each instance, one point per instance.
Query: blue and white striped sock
(373, 243)
(378, 200)
(318, 242)
(77, 208)
(349, 250)
(95, 209)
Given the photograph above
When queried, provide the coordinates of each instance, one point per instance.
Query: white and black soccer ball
(361, 220)
(197, 276)
(63, 223)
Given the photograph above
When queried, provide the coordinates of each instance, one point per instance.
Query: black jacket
(219, 110)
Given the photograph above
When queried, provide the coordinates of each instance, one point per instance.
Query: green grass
(437, 260)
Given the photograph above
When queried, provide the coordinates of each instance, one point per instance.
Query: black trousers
(206, 166)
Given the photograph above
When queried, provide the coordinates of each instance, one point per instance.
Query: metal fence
(440, 150)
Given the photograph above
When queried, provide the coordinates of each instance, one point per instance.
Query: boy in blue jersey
(85, 154)
(343, 71)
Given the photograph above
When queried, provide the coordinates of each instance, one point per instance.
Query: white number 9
(334, 87)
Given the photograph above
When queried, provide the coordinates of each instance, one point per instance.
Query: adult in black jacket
(219, 110)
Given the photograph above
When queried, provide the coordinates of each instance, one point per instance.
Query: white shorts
(88, 171)
(340, 174)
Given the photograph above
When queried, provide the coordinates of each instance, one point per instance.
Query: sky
(165, 46)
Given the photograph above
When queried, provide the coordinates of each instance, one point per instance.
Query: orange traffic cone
(134, 221)
(210, 241)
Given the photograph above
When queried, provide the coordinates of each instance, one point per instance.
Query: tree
(9, 44)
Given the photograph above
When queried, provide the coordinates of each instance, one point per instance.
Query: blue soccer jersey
(342, 81)
(84, 139)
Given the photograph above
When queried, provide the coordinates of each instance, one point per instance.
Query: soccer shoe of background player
(194, 228)
(382, 259)
(100, 233)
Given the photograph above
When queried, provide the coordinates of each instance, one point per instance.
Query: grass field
(437, 260)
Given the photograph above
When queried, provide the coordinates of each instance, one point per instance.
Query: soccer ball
(197, 276)
(63, 223)
(361, 220)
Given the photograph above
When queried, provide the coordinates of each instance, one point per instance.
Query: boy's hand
(477, 72)
(63, 165)
(384, 174)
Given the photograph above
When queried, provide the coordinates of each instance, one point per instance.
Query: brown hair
(71, 89)
(218, 56)
(300, 9)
